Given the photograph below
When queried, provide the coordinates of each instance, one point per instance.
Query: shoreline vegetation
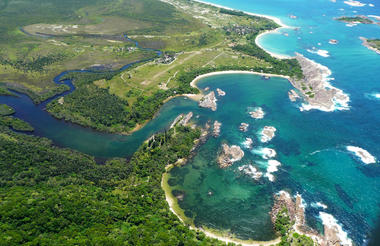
(289, 223)
(124, 200)
(136, 101)
(220, 235)
(371, 44)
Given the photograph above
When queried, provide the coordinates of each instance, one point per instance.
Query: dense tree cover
(15, 123)
(92, 106)
(283, 226)
(54, 196)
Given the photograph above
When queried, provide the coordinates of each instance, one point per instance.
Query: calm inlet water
(310, 145)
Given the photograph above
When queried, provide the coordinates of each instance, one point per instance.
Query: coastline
(366, 44)
(273, 18)
(179, 213)
(199, 77)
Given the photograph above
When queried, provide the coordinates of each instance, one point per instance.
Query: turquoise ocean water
(310, 145)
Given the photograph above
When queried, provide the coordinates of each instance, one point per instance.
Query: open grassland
(40, 39)
(150, 77)
(195, 39)
(224, 41)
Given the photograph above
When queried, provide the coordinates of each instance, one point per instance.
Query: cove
(310, 147)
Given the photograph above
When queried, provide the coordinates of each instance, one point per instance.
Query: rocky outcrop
(244, 127)
(182, 119)
(251, 171)
(267, 133)
(209, 101)
(216, 129)
(333, 233)
(293, 96)
(258, 113)
(315, 89)
(220, 92)
(229, 155)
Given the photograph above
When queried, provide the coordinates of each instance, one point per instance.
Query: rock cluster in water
(267, 133)
(251, 171)
(220, 92)
(229, 155)
(209, 101)
(258, 113)
(244, 127)
(216, 129)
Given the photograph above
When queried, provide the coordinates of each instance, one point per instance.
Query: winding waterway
(310, 145)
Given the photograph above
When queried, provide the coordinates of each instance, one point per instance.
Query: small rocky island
(316, 90)
(216, 129)
(220, 92)
(229, 155)
(243, 127)
(359, 19)
(209, 101)
(257, 113)
(267, 133)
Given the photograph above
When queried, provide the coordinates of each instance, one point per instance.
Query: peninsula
(372, 44)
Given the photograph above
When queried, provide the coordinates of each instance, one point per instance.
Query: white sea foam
(329, 221)
(363, 154)
(323, 53)
(354, 3)
(351, 24)
(373, 95)
(251, 171)
(265, 153)
(247, 143)
(318, 205)
(272, 167)
(340, 100)
(375, 17)
(371, 5)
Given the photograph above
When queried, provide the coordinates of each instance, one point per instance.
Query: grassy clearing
(63, 35)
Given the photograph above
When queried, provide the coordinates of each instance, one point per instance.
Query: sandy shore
(275, 19)
(278, 56)
(195, 81)
(175, 209)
